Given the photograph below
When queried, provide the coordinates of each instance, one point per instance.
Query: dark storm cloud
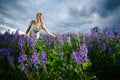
(105, 7)
(102, 7)
(108, 8)
(13, 3)
(11, 14)
(77, 17)
(84, 12)
(74, 24)
(112, 5)
(107, 11)
(12, 9)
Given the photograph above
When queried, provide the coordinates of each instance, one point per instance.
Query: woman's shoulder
(32, 21)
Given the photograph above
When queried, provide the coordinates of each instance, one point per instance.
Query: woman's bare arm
(28, 29)
(50, 34)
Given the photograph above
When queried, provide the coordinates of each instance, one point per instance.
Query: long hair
(38, 14)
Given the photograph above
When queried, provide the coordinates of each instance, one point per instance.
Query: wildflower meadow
(71, 56)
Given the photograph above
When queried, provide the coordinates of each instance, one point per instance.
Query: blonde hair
(38, 14)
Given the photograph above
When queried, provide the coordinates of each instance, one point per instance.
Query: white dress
(34, 31)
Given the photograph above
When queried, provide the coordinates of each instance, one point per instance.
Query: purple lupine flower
(90, 44)
(6, 35)
(22, 57)
(83, 48)
(7, 53)
(43, 58)
(76, 56)
(25, 67)
(95, 31)
(64, 37)
(32, 40)
(110, 50)
(24, 77)
(2, 50)
(108, 33)
(1, 38)
(17, 32)
(60, 39)
(10, 58)
(118, 30)
(34, 37)
(27, 38)
(34, 60)
(102, 45)
(48, 40)
(21, 41)
(12, 39)
(97, 41)
(22, 67)
(84, 51)
(113, 48)
(55, 43)
(81, 55)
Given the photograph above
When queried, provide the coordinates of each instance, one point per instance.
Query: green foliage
(103, 62)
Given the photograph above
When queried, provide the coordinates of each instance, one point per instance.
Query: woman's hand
(55, 37)
(25, 35)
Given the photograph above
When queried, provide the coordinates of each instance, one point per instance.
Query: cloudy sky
(61, 16)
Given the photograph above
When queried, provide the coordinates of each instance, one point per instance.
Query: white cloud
(33, 2)
(11, 21)
(13, 17)
(6, 28)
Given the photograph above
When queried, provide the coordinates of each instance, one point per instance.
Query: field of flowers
(71, 56)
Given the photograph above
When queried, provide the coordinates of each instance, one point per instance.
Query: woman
(36, 25)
